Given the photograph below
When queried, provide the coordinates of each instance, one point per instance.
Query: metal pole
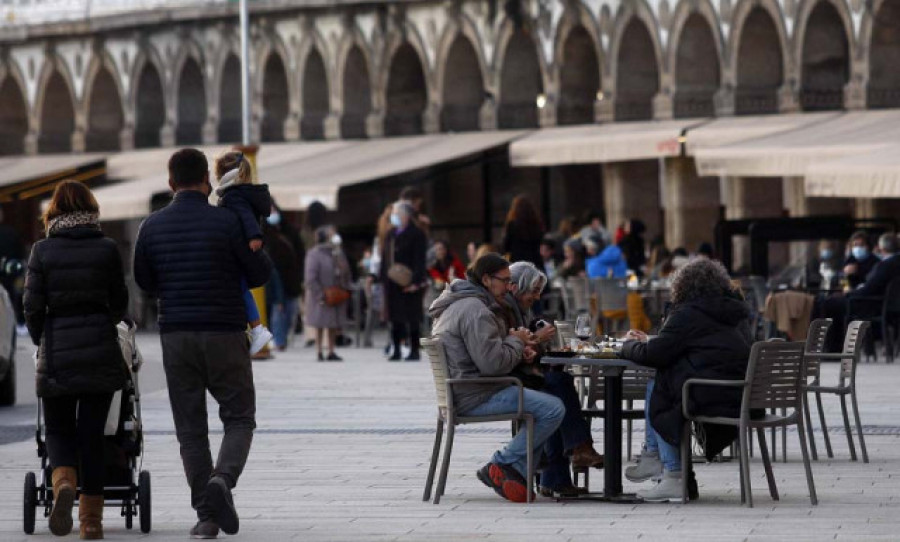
(245, 74)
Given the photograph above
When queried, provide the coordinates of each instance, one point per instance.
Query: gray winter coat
(325, 266)
(469, 322)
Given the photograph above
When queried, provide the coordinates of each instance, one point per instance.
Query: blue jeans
(669, 455)
(548, 412)
(249, 303)
(573, 430)
(282, 320)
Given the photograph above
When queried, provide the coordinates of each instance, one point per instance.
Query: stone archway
(106, 118)
(191, 104)
(357, 95)
(463, 92)
(230, 108)
(759, 65)
(275, 99)
(149, 108)
(637, 73)
(406, 94)
(697, 74)
(57, 117)
(884, 57)
(579, 79)
(520, 83)
(13, 118)
(315, 103)
(825, 64)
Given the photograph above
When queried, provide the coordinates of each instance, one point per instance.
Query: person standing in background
(290, 271)
(523, 232)
(633, 246)
(405, 245)
(326, 266)
(860, 261)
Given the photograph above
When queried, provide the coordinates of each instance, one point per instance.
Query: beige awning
(597, 143)
(790, 152)
(297, 173)
(874, 174)
(27, 176)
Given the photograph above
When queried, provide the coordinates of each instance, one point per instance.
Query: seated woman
(609, 263)
(705, 335)
(572, 442)
(446, 266)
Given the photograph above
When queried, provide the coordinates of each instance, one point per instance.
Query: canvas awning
(26, 176)
(874, 174)
(597, 143)
(297, 173)
(791, 152)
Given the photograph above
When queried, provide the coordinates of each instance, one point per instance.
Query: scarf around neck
(72, 220)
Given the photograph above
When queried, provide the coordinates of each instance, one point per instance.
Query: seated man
(876, 283)
(469, 321)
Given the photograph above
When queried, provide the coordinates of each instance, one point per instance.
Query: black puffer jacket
(192, 256)
(74, 296)
(707, 338)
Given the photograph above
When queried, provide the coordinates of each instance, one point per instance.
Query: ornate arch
(99, 61)
(504, 36)
(394, 40)
(13, 70)
(683, 12)
(460, 26)
(353, 37)
(273, 45)
(641, 11)
(313, 39)
(230, 46)
(147, 54)
(574, 17)
(804, 11)
(53, 63)
(189, 49)
(739, 18)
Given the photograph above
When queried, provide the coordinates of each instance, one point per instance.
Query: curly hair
(699, 279)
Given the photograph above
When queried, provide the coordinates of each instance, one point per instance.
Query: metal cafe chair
(888, 318)
(775, 378)
(846, 385)
(612, 296)
(447, 415)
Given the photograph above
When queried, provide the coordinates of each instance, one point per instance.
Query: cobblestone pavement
(342, 449)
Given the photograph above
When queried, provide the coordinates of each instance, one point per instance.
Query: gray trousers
(219, 362)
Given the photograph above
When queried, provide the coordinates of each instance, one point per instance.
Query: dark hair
(705, 249)
(69, 197)
(700, 279)
(487, 264)
(323, 233)
(591, 215)
(315, 215)
(524, 218)
(680, 251)
(411, 193)
(187, 168)
(548, 242)
(861, 235)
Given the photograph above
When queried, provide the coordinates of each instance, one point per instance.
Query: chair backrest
(853, 344)
(576, 296)
(565, 330)
(439, 371)
(634, 384)
(815, 344)
(612, 293)
(892, 297)
(775, 372)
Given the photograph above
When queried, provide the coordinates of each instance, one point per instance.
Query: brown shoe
(65, 480)
(90, 517)
(585, 456)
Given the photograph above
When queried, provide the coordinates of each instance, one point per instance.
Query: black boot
(396, 337)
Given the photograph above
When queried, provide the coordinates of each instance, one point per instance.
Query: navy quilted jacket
(192, 256)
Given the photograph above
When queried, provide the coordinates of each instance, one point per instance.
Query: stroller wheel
(30, 503)
(144, 500)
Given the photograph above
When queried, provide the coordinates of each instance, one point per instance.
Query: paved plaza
(341, 454)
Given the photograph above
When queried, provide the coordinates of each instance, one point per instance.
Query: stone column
(663, 105)
(487, 115)
(691, 204)
(78, 134)
(31, 138)
(291, 126)
(547, 114)
(375, 124)
(756, 197)
(723, 101)
(605, 109)
(631, 190)
(431, 119)
(332, 125)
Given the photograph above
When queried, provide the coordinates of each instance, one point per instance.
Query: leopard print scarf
(71, 220)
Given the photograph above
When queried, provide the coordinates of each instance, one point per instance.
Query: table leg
(612, 435)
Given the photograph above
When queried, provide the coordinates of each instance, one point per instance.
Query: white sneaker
(259, 337)
(648, 467)
(667, 490)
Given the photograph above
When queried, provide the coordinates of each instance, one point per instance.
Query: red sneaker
(505, 481)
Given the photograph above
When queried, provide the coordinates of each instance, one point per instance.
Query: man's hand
(545, 333)
(411, 288)
(529, 354)
(256, 244)
(523, 334)
(850, 269)
(636, 335)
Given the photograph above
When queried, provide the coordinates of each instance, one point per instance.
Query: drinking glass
(583, 326)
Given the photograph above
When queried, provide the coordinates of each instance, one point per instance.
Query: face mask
(860, 253)
(336, 239)
(274, 219)
(395, 220)
(825, 254)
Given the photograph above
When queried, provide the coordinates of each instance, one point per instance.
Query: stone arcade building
(331, 69)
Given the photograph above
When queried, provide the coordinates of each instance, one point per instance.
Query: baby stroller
(126, 484)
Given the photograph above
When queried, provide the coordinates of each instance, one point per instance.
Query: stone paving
(342, 449)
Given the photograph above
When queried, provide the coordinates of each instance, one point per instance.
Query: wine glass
(583, 326)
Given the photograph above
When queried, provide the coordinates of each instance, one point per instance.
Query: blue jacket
(192, 256)
(610, 259)
(878, 279)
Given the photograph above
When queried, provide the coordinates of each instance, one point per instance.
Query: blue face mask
(860, 253)
(395, 220)
(826, 254)
(274, 219)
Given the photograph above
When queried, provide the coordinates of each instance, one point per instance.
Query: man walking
(192, 257)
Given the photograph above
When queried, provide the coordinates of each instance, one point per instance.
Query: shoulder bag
(335, 295)
(398, 273)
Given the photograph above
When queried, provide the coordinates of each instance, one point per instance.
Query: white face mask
(336, 239)
(274, 219)
(396, 221)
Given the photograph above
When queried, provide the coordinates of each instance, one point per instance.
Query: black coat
(707, 338)
(522, 247)
(251, 203)
(878, 279)
(74, 296)
(409, 246)
(192, 256)
(286, 261)
(863, 268)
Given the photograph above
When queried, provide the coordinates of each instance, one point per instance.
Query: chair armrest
(511, 380)
(837, 356)
(705, 382)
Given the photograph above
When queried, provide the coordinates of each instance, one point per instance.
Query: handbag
(398, 273)
(335, 295)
